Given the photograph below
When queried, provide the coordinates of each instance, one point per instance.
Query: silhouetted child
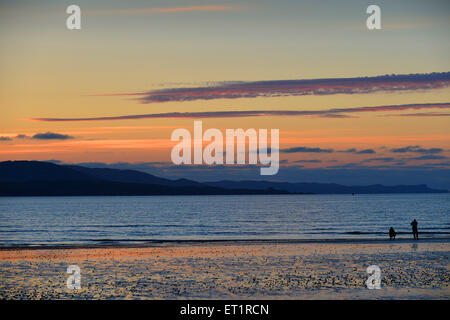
(392, 233)
(414, 229)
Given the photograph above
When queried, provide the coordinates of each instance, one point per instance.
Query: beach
(230, 270)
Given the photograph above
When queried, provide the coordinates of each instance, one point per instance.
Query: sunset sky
(91, 95)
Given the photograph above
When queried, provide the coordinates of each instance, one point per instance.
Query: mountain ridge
(46, 178)
(324, 188)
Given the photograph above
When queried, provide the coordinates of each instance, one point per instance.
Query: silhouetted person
(392, 233)
(414, 229)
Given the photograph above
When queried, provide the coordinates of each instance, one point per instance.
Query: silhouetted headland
(37, 178)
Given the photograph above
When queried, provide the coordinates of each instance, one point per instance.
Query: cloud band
(333, 113)
(277, 88)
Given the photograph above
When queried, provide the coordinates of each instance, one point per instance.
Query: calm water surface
(56, 220)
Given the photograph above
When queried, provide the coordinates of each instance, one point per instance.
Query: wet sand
(231, 270)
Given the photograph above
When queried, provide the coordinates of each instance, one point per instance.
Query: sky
(353, 106)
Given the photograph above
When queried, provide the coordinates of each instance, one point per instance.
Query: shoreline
(256, 193)
(155, 243)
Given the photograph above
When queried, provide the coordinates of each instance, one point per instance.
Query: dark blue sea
(105, 220)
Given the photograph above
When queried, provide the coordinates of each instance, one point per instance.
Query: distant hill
(36, 178)
(132, 176)
(25, 171)
(323, 188)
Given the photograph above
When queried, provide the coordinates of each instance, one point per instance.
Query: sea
(37, 221)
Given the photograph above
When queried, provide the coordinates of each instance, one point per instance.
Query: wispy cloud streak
(306, 150)
(417, 149)
(277, 88)
(353, 150)
(334, 113)
(51, 136)
(419, 115)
